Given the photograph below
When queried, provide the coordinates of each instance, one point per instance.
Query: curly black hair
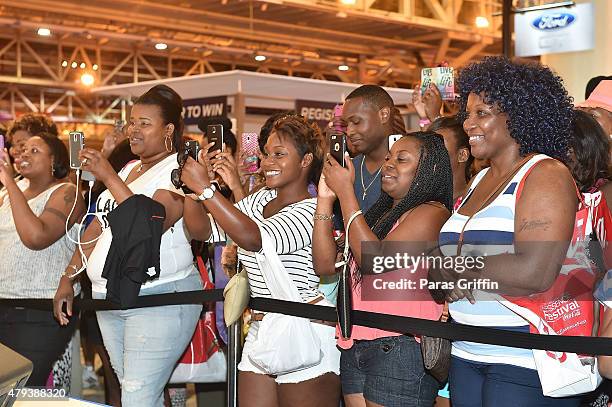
(34, 124)
(538, 107)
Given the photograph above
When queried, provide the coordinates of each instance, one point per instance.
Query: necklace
(152, 163)
(363, 187)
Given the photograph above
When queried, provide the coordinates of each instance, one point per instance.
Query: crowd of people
(501, 175)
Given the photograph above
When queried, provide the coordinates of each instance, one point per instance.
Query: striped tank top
(489, 232)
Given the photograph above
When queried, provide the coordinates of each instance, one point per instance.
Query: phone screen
(337, 147)
(76, 141)
(214, 133)
(1, 142)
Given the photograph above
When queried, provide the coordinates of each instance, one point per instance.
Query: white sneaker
(89, 377)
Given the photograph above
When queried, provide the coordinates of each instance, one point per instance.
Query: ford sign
(553, 21)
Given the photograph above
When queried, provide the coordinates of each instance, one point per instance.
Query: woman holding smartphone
(143, 344)
(292, 159)
(36, 250)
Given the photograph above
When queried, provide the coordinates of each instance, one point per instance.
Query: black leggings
(35, 335)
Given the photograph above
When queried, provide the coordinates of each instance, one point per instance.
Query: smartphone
(214, 133)
(192, 148)
(1, 143)
(393, 138)
(443, 77)
(337, 147)
(250, 147)
(76, 142)
(337, 120)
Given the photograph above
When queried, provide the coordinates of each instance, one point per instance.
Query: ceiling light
(95, 67)
(260, 58)
(348, 2)
(87, 79)
(161, 46)
(83, 65)
(64, 63)
(343, 67)
(341, 14)
(44, 32)
(482, 22)
(74, 64)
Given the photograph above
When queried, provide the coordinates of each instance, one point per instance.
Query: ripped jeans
(144, 344)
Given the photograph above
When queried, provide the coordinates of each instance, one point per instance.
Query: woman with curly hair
(22, 129)
(378, 367)
(518, 116)
(282, 213)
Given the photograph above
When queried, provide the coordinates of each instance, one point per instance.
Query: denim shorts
(388, 371)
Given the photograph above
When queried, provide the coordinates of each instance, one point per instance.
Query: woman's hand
(225, 165)
(195, 174)
(432, 101)
(339, 179)
(64, 294)
(324, 191)
(6, 169)
(417, 102)
(94, 162)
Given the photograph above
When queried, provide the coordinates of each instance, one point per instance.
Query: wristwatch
(207, 192)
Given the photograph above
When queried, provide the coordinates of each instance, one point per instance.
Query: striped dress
(291, 228)
(489, 232)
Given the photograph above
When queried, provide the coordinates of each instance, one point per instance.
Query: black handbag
(437, 352)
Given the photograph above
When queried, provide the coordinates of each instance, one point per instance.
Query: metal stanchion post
(233, 356)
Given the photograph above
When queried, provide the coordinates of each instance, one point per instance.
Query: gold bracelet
(323, 216)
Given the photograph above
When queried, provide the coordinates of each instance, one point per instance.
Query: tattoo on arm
(535, 224)
(56, 212)
(68, 197)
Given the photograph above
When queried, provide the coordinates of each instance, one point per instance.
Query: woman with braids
(381, 368)
(143, 344)
(282, 213)
(518, 215)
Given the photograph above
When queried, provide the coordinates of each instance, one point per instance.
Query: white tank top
(26, 273)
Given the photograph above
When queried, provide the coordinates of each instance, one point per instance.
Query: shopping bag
(203, 361)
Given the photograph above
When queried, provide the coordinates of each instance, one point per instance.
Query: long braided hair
(433, 181)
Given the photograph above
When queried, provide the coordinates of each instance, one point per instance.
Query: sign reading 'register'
(320, 112)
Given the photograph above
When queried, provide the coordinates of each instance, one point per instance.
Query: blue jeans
(388, 371)
(144, 344)
(475, 384)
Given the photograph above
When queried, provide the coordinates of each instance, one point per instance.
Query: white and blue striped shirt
(489, 232)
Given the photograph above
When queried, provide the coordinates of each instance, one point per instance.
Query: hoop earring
(166, 144)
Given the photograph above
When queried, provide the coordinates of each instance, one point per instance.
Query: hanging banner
(195, 109)
(321, 112)
(563, 29)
